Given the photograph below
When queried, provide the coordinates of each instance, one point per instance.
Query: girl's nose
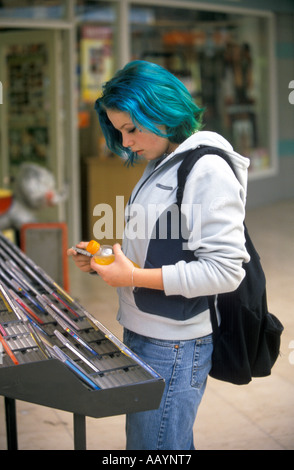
(127, 140)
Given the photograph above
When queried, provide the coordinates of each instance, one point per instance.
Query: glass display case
(224, 60)
(33, 9)
(225, 54)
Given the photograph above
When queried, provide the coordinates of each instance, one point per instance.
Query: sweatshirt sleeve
(214, 205)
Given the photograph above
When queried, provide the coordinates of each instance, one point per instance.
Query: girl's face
(141, 141)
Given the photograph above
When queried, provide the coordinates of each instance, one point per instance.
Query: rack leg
(79, 422)
(11, 429)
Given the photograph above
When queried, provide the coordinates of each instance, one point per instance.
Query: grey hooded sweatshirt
(203, 255)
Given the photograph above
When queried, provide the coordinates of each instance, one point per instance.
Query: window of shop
(32, 114)
(33, 9)
(96, 64)
(224, 60)
(223, 55)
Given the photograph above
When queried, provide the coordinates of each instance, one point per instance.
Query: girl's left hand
(118, 273)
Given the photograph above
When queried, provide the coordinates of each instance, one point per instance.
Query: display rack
(56, 354)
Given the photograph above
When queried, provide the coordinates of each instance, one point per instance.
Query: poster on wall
(96, 60)
(28, 105)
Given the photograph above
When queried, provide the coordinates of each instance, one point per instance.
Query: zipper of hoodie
(132, 199)
(151, 174)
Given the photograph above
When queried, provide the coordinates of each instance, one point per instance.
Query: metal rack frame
(31, 370)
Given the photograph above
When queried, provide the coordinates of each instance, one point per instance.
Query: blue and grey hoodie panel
(165, 251)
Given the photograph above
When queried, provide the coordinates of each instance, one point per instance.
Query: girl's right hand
(83, 262)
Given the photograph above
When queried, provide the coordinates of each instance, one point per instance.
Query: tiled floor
(259, 416)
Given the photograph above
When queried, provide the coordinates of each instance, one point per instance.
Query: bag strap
(190, 158)
(213, 316)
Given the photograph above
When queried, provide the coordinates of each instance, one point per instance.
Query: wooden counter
(107, 181)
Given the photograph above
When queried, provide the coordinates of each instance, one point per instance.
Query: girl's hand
(83, 262)
(118, 273)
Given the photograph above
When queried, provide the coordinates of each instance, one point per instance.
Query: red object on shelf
(5, 200)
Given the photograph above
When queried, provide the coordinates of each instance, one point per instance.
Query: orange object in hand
(104, 259)
(93, 247)
(103, 254)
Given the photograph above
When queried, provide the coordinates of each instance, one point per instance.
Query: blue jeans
(184, 365)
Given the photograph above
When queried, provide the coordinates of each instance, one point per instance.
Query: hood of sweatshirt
(213, 139)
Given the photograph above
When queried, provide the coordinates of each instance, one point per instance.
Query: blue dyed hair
(153, 97)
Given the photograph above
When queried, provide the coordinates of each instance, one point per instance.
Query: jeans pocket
(201, 361)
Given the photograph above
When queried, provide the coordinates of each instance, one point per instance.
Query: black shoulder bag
(247, 341)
